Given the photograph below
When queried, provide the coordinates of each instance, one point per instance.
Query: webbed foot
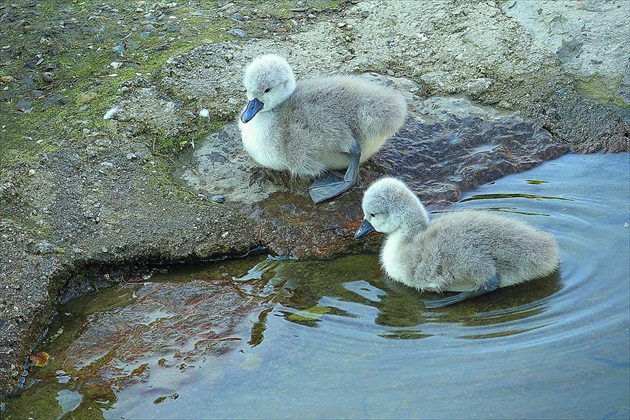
(332, 183)
(491, 284)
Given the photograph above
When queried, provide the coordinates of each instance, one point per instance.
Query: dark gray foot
(332, 183)
(491, 284)
(328, 186)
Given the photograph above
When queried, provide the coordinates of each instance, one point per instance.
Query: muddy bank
(485, 99)
(111, 217)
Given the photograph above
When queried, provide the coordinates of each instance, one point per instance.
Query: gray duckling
(472, 252)
(318, 126)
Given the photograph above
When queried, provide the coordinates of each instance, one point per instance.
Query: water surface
(337, 339)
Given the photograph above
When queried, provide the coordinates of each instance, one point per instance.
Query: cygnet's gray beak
(251, 110)
(365, 229)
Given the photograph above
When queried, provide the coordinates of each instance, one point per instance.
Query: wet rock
(467, 152)
(22, 326)
(565, 113)
(447, 145)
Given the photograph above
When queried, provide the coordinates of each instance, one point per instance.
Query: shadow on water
(272, 338)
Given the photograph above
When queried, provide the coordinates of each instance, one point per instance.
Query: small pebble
(110, 114)
(24, 105)
(44, 247)
(86, 97)
(237, 33)
(218, 199)
(119, 49)
(47, 77)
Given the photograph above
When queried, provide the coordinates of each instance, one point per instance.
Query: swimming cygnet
(316, 126)
(472, 252)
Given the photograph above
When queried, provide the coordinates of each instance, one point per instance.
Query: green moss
(79, 56)
(75, 41)
(602, 89)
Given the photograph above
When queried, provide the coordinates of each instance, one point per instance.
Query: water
(337, 339)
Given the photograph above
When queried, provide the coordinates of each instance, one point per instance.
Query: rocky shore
(106, 174)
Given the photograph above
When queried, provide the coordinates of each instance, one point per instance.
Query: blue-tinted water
(337, 339)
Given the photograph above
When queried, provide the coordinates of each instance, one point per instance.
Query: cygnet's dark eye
(267, 90)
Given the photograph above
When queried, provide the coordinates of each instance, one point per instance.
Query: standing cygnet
(316, 126)
(472, 252)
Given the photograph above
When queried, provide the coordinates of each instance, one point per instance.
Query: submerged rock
(179, 322)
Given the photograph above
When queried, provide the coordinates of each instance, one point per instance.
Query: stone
(86, 97)
(239, 33)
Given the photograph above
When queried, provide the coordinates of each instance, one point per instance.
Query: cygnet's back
(472, 246)
(325, 116)
(463, 251)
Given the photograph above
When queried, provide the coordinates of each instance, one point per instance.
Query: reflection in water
(338, 339)
(501, 196)
(301, 287)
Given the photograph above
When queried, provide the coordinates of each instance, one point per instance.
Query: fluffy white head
(389, 204)
(269, 79)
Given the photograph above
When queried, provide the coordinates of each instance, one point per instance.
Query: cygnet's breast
(392, 260)
(260, 140)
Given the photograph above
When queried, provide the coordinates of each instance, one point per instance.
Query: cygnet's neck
(414, 220)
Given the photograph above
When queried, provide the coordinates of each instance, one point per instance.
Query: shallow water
(337, 339)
